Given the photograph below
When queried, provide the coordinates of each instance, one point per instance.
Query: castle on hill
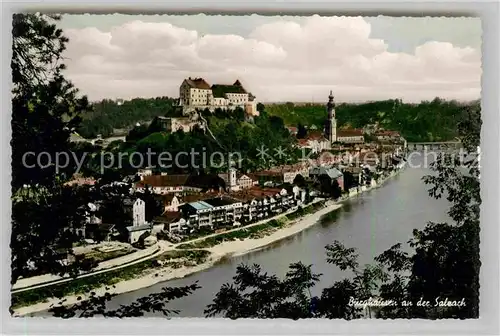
(196, 93)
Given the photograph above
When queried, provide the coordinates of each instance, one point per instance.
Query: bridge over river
(434, 145)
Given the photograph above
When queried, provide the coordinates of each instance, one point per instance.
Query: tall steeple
(331, 123)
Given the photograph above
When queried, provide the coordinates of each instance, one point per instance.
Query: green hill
(427, 121)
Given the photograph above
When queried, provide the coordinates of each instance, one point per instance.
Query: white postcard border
(489, 292)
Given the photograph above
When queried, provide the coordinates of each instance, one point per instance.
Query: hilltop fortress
(196, 93)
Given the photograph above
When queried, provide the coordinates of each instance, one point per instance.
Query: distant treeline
(107, 116)
(427, 121)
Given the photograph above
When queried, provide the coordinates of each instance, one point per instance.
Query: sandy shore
(226, 249)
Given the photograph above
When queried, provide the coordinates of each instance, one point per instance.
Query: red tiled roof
(167, 199)
(197, 197)
(387, 133)
(316, 136)
(254, 192)
(81, 181)
(349, 133)
(303, 142)
(164, 180)
(168, 217)
(198, 83)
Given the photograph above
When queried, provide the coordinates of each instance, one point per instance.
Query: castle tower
(331, 123)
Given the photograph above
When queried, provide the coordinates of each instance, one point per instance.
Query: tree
(96, 305)
(444, 262)
(45, 106)
(239, 114)
(446, 259)
(258, 295)
(255, 294)
(299, 180)
(301, 131)
(45, 212)
(45, 111)
(336, 191)
(260, 107)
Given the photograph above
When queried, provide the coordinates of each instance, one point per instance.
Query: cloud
(278, 61)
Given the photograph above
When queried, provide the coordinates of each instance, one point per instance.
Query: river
(371, 223)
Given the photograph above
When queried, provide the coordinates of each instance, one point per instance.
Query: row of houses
(182, 183)
(232, 209)
(234, 181)
(317, 142)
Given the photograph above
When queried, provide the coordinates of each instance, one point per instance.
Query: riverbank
(223, 250)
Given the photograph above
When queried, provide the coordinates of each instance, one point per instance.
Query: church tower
(331, 123)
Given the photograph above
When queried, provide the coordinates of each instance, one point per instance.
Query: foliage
(444, 263)
(228, 134)
(87, 284)
(427, 121)
(258, 295)
(45, 106)
(446, 259)
(107, 116)
(301, 131)
(45, 110)
(255, 294)
(96, 305)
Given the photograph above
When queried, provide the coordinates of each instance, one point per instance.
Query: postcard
(245, 166)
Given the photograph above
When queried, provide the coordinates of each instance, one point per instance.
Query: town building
(350, 136)
(214, 212)
(293, 130)
(315, 141)
(332, 173)
(332, 134)
(171, 202)
(386, 135)
(196, 93)
(236, 181)
(281, 174)
(174, 124)
(178, 183)
(164, 184)
(100, 232)
(170, 221)
(331, 122)
(139, 225)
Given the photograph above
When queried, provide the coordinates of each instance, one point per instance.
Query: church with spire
(353, 136)
(331, 122)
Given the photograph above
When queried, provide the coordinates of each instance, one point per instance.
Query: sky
(277, 58)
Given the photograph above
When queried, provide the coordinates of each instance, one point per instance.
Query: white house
(144, 172)
(237, 181)
(316, 142)
(139, 212)
(171, 203)
(135, 232)
(139, 225)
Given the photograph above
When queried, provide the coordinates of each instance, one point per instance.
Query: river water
(371, 223)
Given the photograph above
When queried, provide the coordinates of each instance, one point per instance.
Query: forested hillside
(107, 116)
(427, 121)
(230, 133)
